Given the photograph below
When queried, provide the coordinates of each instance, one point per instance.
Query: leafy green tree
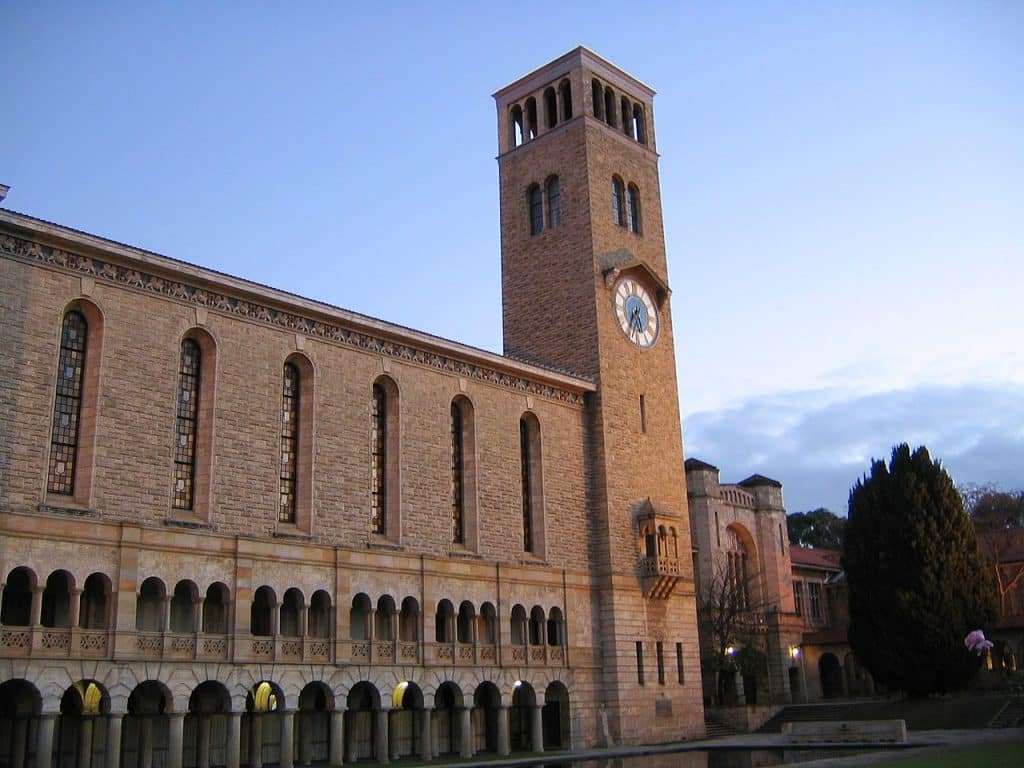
(918, 581)
(819, 528)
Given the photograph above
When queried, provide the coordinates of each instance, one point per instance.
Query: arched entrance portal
(205, 733)
(555, 716)
(20, 704)
(145, 729)
(486, 709)
(361, 722)
(831, 675)
(81, 739)
(445, 721)
(261, 726)
(313, 723)
(405, 729)
(524, 701)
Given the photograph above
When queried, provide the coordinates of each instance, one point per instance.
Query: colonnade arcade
(209, 725)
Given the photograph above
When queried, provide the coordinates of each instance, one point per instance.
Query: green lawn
(1000, 756)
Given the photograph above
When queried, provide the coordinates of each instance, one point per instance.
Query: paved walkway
(918, 743)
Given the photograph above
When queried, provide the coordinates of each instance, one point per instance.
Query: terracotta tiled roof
(815, 558)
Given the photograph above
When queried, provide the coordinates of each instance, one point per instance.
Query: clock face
(636, 312)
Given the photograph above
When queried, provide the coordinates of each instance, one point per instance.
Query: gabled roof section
(755, 480)
(809, 557)
(696, 465)
(620, 262)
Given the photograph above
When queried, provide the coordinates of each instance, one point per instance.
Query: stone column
(74, 603)
(37, 605)
(85, 742)
(18, 740)
(302, 719)
(114, 720)
(503, 744)
(287, 739)
(392, 739)
(165, 614)
(255, 740)
(465, 733)
(44, 735)
(175, 737)
(425, 733)
(146, 742)
(197, 616)
(336, 754)
(380, 746)
(234, 739)
(203, 741)
(536, 729)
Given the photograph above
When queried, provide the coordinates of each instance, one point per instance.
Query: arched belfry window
(554, 195)
(609, 107)
(550, 108)
(618, 202)
(531, 118)
(67, 407)
(535, 200)
(531, 485)
(516, 125)
(597, 99)
(384, 484)
(289, 443)
(187, 424)
(633, 208)
(639, 131)
(626, 113)
(565, 94)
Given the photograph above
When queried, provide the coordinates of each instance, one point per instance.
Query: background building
(238, 527)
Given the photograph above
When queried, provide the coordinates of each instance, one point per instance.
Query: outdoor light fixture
(518, 684)
(794, 651)
(730, 651)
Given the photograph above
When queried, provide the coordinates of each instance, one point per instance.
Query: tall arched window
(535, 200)
(384, 460)
(187, 424)
(618, 202)
(554, 195)
(738, 575)
(532, 491)
(626, 113)
(633, 208)
(379, 461)
(462, 494)
(67, 407)
(289, 443)
(457, 485)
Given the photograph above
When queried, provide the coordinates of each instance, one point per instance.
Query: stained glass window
(67, 406)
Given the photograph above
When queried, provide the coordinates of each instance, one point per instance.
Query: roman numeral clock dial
(636, 313)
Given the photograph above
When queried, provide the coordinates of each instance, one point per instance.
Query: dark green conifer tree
(918, 581)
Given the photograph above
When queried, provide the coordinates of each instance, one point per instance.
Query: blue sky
(843, 189)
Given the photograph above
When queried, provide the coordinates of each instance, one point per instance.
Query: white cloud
(818, 443)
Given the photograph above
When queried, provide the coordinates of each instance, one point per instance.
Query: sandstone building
(239, 527)
(792, 598)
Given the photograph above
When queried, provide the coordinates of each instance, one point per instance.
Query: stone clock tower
(585, 289)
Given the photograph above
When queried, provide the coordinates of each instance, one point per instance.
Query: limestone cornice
(29, 240)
